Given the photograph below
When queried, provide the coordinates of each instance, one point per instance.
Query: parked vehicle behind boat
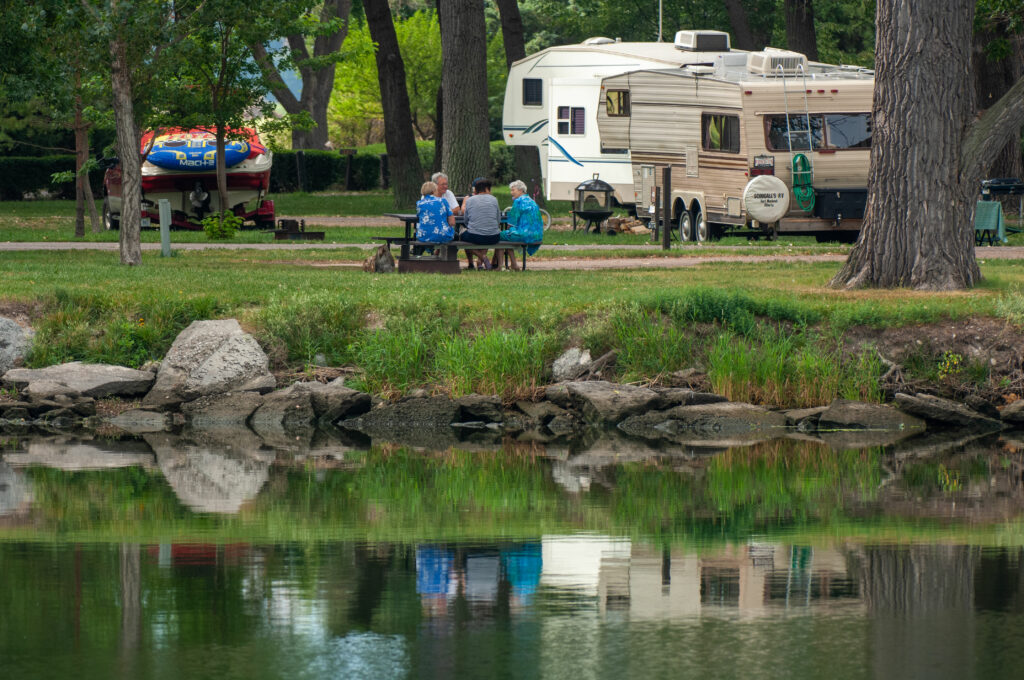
(180, 166)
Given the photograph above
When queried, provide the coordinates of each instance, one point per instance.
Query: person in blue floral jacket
(525, 224)
(436, 221)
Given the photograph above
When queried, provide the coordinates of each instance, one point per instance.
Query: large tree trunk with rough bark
(527, 157)
(317, 77)
(403, 160)
(917, 229)
(466, 150)
(128, 152)
(800, 34)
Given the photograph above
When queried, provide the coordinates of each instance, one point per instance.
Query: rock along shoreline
(216, 377)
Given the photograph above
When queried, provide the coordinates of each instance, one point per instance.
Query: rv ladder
(801, 165)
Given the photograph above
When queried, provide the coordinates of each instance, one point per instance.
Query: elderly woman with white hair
(525, 224)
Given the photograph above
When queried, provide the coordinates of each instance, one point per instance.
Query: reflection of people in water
(444, 575)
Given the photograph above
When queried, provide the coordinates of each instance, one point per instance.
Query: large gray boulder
(230, 409)
(333, 401)
(1014, 413)
(210, 357)
(732, 422)
(285, 413)
(602, 401)
(946, 413)
(844, 414)
(14, 344)
(76, 378)
(573, 362)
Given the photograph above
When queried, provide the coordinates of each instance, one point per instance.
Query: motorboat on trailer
(181, 166)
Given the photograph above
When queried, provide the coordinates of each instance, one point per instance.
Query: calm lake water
(165, 557)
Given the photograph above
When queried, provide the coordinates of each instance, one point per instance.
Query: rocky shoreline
(216, 377)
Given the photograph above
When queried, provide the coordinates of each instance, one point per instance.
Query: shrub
(223, 226)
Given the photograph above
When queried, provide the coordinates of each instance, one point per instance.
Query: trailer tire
(700, 225)
(111, 220)
(685, 226)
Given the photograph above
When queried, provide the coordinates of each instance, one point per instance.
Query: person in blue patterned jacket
(525, 224)
(436, 221)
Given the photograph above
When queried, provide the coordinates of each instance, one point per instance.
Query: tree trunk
(800, 34)
(81, 155)
(993, 78)
(743, 36)
(403, 159)
(438, 130)
(527, 158)
(466, 150)
(82, 187)
(317, 81)
(918, 229)
(221, 170)
(127, 132)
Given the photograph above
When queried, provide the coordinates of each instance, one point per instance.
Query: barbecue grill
(593, 204)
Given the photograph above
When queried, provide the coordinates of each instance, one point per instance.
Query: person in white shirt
(441, 180)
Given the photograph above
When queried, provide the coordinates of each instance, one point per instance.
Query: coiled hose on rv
(803, 177)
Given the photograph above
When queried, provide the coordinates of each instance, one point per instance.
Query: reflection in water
(394, 563)
(501, 609)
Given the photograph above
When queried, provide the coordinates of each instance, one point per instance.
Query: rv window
(571, 120)
(720, 132)
(533, 92)
(776, 132)
(617, 103)
(848, 130)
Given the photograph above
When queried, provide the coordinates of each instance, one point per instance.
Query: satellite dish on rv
(766, 198)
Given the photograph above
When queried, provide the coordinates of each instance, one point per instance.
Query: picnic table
(446, 260)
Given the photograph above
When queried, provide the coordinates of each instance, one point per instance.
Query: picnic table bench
(445, 255)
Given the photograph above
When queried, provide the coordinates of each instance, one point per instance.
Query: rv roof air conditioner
(769, 61)
(702, 41)
(598, 40)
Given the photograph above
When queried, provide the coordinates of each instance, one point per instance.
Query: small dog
(381, 261)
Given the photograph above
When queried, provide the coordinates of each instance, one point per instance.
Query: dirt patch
(961, 352)
(22, 313)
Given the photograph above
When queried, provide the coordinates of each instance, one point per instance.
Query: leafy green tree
(355, 101)
(317, 70)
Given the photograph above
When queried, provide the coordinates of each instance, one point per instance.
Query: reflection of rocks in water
(68, 453)
(15, 495)
(207, 479)
(601, 447)
(721, 425)
(419, 422)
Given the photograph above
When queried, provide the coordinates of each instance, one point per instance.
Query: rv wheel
(111, 220)
(700, 225)
(685, 226)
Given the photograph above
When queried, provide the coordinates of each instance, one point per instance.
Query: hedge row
(325, 169)
(21, 175)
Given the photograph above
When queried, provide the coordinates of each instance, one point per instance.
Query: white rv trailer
(551, 102)
(731, 134)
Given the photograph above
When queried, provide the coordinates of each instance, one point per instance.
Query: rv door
(644, 183)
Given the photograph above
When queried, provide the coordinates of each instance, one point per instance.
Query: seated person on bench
(483, 217)
(436, 222)
(525, 224)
